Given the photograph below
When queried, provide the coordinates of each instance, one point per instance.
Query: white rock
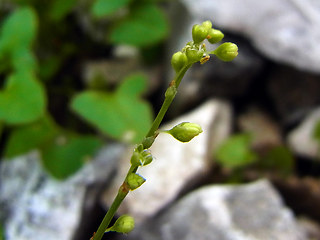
(284, 30)
(301, 141)
(37, 207)
(245, 212)
(176, 165)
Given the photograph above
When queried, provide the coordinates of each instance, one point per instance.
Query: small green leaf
(67, 154)
(19, 29)
(235, 152)
(102, 8)
(30, 136)
(279, 158)
(146, 25)
(22, 100)
(316, 131)
(60, 8)
(119, 115)
(133, 85)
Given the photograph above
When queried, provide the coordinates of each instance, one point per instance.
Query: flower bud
(185, 131)
(124, 224)
(214, 36)
(134, 181)
(226, 51)
(178, 61)
(194, 55)
(146, 158)
(135, 159)
(207, 24)
(199, 33)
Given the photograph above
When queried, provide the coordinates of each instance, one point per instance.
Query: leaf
(18, 30)
(279, 158)
(316, 131)
(68, 153)
(146, 25)
(132, 85)
(60, 8)
(30, 136)
(102, 8)
(22, 100)
(235, 152)
(121, 115)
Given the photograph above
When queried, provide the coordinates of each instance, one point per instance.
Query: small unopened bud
(194, 55)
(134, 181)
(214, 36)
(146, 157)
(135, 159)
(185, 131)
(207, 24)
(199, 33)
(178, 61)
(226, 51)
(124, 224)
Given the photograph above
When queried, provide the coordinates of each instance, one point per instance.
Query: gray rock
(177, 165)
(300, 139)
(35, 206)
(246, 212)
(284, 30)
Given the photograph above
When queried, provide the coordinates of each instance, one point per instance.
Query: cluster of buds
(195, 51)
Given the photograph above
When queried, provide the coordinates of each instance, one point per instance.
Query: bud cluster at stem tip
(195, 51)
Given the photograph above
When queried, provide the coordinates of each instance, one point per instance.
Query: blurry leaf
(29, 137)
(22, 100)
(279, 158)
(67, 154)
(146, 25)
(23, 60)
(18, 30)
(102, 8)
(235, 152)
(120, 115)
(316, 131)
(132, 86)
(60, 8)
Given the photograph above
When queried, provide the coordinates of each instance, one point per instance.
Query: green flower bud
(178, 61)
(146, 157)
(226, 51)
(214, 36)
(135, 159)
(185, 131)
(134, 181)
(207, 24)
(199, 33)
(124, 224)
(194, 55)
(147, 142)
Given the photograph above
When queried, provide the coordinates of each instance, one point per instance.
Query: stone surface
(177, 166)
(300, 139)
(245, 212)
(35, 206)
(284, 30)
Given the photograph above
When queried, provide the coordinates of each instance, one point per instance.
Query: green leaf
(67, 154)
(30, 136)
(18, 30)
(316, 131)
(102, 8)
(23, 60)
(279, 158)
(146, 25)
(22, 100)
(121, 115)
(60, 8)
(235, 152)
(133, 85)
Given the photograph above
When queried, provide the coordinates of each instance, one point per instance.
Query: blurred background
(81, 82)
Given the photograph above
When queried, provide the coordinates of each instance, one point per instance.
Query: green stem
(124, 189)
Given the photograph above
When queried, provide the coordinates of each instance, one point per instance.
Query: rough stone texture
(246, 212)
(177, 165)
(300, 139)
(284, 30)
(35, 206)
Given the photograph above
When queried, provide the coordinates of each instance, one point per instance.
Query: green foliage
(235, 152)
(316, 131)
(102, 8)
(145, 20)
(60, 8)
(280, 159)
(67, 154)
(120, 114)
